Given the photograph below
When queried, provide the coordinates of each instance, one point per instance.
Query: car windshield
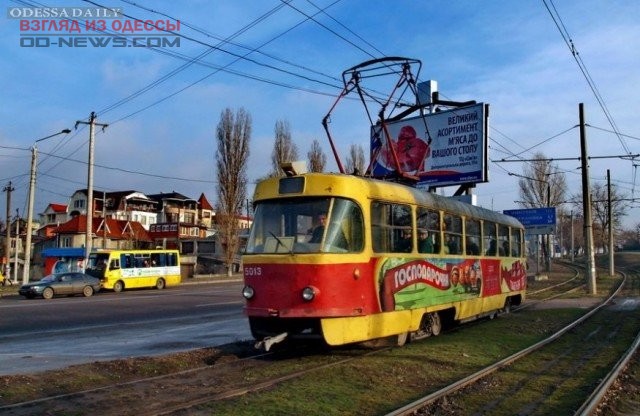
(49, 278)
(306, 225)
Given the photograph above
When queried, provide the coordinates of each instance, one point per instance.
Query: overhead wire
(229, 41)
(189, 62)
(557, 19)
(218, 68)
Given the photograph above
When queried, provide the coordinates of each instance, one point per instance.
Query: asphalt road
(38, 334)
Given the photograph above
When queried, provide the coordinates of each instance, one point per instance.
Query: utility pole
(104, 219)
(88, 236)
(15, 264)
(7, 241)
(572, 248)
(32, 189)
(586, 207)
(610, 215)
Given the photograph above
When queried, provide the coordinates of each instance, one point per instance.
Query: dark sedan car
(61, 284)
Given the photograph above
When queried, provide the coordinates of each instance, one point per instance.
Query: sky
(284, 61)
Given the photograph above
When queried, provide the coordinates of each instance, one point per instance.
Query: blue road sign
(533, 217)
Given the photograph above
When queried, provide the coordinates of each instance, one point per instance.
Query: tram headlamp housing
(248, 292)
(309, 293)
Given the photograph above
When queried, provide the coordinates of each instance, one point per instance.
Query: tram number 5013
(253, 271)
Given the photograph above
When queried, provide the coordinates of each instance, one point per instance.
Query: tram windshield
(306, 225)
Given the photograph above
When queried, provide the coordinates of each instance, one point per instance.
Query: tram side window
(390, 227)
(428, 230)
(452, 234)
(516, 242)
(472, 239)
(489, 242)
(503, 240)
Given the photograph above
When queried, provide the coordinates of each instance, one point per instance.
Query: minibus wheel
(118, 286)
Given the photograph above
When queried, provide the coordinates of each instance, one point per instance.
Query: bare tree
(232, 134)
(542, 184)
(317, 158)
(629, 239)
(600, 211)
(355, 161)
(284, 150)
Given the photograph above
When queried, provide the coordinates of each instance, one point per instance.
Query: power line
(288, 3)
(583, 68)
(217, 48)
(133, 171)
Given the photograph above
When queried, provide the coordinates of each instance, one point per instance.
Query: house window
(65, 242)
(79, 203)
(188, 247)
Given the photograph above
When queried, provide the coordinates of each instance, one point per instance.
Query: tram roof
(335, 184)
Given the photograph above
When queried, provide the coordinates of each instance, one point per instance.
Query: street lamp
(32, 187)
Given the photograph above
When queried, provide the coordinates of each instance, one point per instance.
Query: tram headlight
(248, 292)
(309, 293)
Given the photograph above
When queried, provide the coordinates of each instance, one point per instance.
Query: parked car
(61, 284)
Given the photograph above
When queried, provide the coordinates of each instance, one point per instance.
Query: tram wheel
(507, 306)
(435, 323)
(402, 338)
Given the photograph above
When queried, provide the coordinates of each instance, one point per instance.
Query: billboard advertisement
(441, 149)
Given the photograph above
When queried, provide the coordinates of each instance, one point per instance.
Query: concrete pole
(7, 241)
(32, 188)
(88, 238)
(610, 214)
(586, 207)
(15, 257)
(104, 219)
(572, 246)
(88, 242)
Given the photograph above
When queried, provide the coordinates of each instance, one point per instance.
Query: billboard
(441, 149)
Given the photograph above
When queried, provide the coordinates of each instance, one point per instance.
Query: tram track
(548, 372)
(196, 386)
(233, 379)
(553, 291)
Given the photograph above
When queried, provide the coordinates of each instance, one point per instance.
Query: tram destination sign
(535, 220)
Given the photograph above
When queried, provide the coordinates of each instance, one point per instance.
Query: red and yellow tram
(348, 259)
